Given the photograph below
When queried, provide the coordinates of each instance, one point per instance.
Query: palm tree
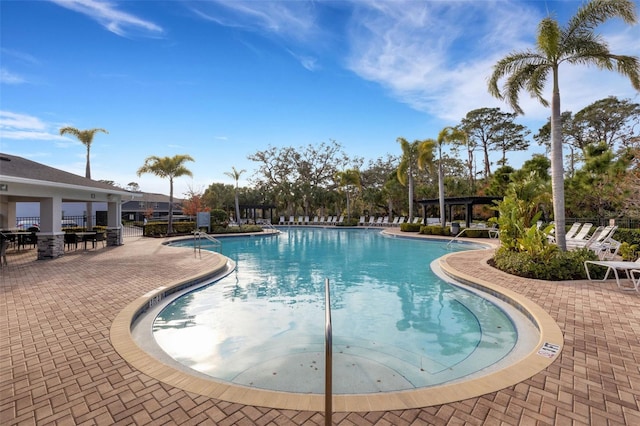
(574, 44)
(446, 135)
(414, 156)
(167, 167)
(235, 175)
(349, 179)
(86, 137)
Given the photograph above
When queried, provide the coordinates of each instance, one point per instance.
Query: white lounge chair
(379, 221)
(372, 221)
(385, 221)
(315, 220)
(571, 233)
(306, 220)
(581, 237)
(292, 220)
(615, 266)
(281, 222)
(300, 220)
(417, 220)
(401, 221)
(340, 221)
(604, 245)
(635, 279)
(362, 221)
(395, 221)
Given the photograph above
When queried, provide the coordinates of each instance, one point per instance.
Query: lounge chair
(571, 233)
(395, 221)
(604, 245)
(306, 220)
(401, 221)
(385, 221)
(362, 221)
(341, 220)
(315, 220)
(292, 220)
(321, 221)
(417, 220)
(300, 220)
(581, 237)
(281, 222)
(372, 221)
(493, 231)
(635, 279)
(615, 266)
(379, 221)
(334, 219)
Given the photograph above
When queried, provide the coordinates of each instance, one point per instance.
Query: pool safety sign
(549, 350)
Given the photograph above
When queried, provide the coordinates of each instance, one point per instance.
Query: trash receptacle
(455, 228)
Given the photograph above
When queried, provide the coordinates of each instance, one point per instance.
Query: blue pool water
(396, 325)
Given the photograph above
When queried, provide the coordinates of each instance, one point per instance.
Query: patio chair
(615, 266)
(300, 220)
(401, 220)
(315, 220)
(71, 239)
(281, 222)
(340, 221)
(385, 221)
(379, 221)
(292, 220)
(321, 220)
(395, 221)
(417, 221)
(362, 221)
(372, 220)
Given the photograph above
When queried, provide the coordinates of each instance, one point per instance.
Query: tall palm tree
(235, 175)
(86, 137)
(349, 179)
(167, 167)
(574, 44)
(414, 156)
(446, 135)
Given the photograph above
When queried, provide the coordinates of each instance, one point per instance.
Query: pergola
(23, 180)
(450, 202)
(250, 211)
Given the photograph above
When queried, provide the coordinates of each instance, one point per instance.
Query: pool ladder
(328, 357)
(197, 241)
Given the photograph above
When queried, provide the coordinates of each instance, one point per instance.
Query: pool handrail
(328, 357)
(197, 240)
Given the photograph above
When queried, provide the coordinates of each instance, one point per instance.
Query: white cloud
(7, 77)
(26, 127)
(108, 15)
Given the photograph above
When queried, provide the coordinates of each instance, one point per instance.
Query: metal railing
(328, 357)
(197, 241)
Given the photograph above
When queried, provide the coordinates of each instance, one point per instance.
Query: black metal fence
(128, 229)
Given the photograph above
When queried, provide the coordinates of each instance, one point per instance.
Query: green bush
(218, 216)
(434, 230)
(631, 236)
(410, 227)
(568, 265)
(159, 229)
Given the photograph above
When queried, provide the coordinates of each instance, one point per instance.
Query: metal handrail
(328, 357)
(197, 240)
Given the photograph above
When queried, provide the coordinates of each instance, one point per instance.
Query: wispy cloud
(18, 126)
(7, 77)
(108, 15)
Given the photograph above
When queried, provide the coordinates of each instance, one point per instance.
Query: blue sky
(220, 80)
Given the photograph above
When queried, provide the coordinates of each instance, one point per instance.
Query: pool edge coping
(529, 365)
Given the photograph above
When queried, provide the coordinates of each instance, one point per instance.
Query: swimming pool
(397, 325)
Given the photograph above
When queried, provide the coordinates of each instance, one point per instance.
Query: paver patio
(57, 365)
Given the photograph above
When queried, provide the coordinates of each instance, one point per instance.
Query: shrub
(218, 216)
(568, 265)
(410, 227)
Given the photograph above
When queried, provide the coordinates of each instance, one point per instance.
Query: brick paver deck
(57, 365)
